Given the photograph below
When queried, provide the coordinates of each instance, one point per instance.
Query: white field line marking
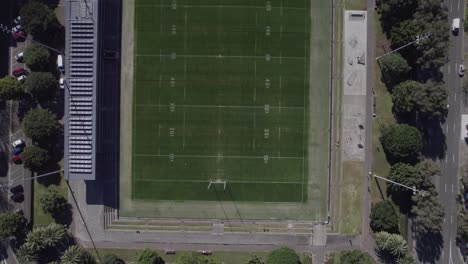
(183, 133)
(185, 59)
(223, 6)
(223, 106)
(281, 8)
(304, 102)
(254, 125)
(281, 32)
(223, 56)
(281, 57)
(255, 82)
(265, 182)
(216, 156)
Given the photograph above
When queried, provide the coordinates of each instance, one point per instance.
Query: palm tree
(76, 255)
(26, 254)
(408, 259)
(35, 239)
(382, 240)
(54, 235)
(397, 246)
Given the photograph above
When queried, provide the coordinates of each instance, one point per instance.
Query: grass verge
(351, 199)
(356, 4)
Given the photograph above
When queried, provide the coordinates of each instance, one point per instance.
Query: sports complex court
(221, 103)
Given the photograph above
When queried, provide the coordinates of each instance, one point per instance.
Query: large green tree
(355, 257)
(405, 174)
(404, 32)
(401, 143)
(282, 255)
(35, 158)
(385, 217)
(403, 97)
(11, 224)
(55, 204)
(149, 256)
(76, 255)
(10, 88)
(37, 18)
(36, 57)
(40, 125)
(41, 85)
(394, 11)
(394, 68)
(428, 213)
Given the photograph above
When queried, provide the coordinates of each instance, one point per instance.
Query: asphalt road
(448, 183)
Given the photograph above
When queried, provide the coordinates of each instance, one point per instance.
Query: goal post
(218, 182)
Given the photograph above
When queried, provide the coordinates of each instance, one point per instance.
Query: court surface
(221, 94)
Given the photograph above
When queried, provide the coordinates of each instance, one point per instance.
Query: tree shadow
(402, 200)
(54, 36)
(25, 104)
(433, 139)
(429, 247)
(64, 216)
(51, 3)
(55, 104)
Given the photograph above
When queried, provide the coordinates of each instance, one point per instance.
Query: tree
(408, 259)
(355, 257)
(405, 174)
(10, 88)
(11, 224)
(37, 18)
(35, 158)
(54, 235)
(41, 85)
(404, 32)
(394, 69)
(254, 259)
(194, 259)
(56, 205)
(401, 142)
(76, 255)
(36, 57)
(282, 255)
(403, 97)
(385, 217)
(394, 11)
(149, 256)
(393, 245)
(111, 259)
(462, 230)
(40, 125)
(26, 254)
(428, 213)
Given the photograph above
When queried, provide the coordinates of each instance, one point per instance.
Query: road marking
(458, 5)
(446, 128)
(445, 188)
(448, 69)
(451, 219)
(443, 255)
(454, 130)
(444, 223)
(445, 159)
(452, 187)
(455, 96)
(453, 158)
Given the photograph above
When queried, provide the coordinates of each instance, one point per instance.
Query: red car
(19, 71)
(19, 36)
(16, 159)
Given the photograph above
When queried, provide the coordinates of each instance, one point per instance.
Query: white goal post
(212, 182)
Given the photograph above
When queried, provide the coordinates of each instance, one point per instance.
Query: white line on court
(223, 106)
(254, 124)
(223, 6)
(183, 133)
(215, 156)
(255, 80)
(163, 180)
(222, 56)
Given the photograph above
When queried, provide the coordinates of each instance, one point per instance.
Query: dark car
(17, 188)
(19, 71)
(17, 151)
(19, 36)
(17, 197)
(16, 159)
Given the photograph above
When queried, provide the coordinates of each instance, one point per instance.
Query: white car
(461, 70)
(18, 143)
(17, 20)
(17, 28)
(19, 57)
(62, 83)
(21, 78)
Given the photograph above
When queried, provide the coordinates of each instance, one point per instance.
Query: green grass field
(221, 94)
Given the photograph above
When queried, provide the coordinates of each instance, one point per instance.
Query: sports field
(221, 94)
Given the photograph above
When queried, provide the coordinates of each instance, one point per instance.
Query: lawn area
(221, 95)
(227, 257)
(356, 4)
(351, 197)
(58, 184)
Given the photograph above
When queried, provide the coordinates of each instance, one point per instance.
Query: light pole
(421, 192)
(418, 38)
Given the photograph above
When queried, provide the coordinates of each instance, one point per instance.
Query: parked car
(455, 25)
(19, 57)
(17, 20)
(17, 150)
(17, 28)
(17, 188)
(19, 71)
(60, 62)
(62, 83)
(18, 142)
(19, 36)
(17, 197)
(16, 159)
(21, 78)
